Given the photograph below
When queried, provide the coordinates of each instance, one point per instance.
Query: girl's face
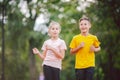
(84, 26)
(54, 31)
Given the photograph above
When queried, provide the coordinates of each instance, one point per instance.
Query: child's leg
(47, 72)
(56, 73)
(80, 74)
(90, 73)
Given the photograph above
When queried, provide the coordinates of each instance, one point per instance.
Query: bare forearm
(58, 54)
(41, 56)
(74, 50)
(36, 51)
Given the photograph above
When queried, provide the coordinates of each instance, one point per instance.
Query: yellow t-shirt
(84, 58)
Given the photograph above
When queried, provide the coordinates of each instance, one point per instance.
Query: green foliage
(20, 37)
(105, 21)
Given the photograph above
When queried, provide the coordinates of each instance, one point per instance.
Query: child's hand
(35, 51)
(82, 44)
(92, 48)
(48, 47)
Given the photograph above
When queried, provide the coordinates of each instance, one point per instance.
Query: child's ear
(60, 30)
(90, 25)
(48, 32)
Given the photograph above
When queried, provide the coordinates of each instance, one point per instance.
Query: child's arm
(36, 51)
(60, 54)
(74, 50)
(94, 49)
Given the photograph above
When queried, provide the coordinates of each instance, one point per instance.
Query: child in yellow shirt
(83, 46)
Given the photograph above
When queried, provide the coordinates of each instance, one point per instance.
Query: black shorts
(51, 73)
(84, 74)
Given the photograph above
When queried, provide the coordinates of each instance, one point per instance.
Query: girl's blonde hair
(52, 23)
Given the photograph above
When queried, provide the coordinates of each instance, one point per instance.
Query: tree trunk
(32, 62)
(3, 44)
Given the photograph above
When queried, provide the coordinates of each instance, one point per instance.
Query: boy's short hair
(84, 18)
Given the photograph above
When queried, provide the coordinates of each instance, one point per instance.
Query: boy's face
(84, 26)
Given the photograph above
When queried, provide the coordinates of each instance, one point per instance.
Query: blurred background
(24, 25)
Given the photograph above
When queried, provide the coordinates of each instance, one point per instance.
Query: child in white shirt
(53, 53)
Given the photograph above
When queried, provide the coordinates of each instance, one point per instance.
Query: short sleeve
(96, 42)
(44, 46)
(63, 45)
(72, 43)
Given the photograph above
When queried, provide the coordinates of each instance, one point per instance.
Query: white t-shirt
(51, 59)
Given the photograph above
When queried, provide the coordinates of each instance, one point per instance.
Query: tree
(3, 14)
(112, 9)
